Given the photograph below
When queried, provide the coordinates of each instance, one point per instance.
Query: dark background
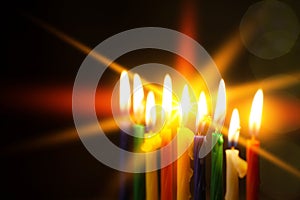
(38, 71)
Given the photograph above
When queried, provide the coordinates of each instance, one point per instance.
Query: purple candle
(199, 163)
(199, 170)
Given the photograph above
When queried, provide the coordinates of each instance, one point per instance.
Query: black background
(35, 61)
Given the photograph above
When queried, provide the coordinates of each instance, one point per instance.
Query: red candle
(252, 184)
(166, 173)
(252, 188)
(167, 178)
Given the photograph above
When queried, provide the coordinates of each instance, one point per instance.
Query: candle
(166, 135)
(151, 143)
(235, 166)
(252, 183)
(216, 187)
(125, 105)
(138, 131)
(184, 171)
(199, 163)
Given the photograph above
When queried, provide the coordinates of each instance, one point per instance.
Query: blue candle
(199, 163)
(124, 192)
(125, 105)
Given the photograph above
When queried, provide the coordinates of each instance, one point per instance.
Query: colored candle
(167, 178)
(216, 190)
(184, 138)
(199, 163)
(151, 143)
(199, 170)
(235, 166)
(252, 183)
(138, 133)
(125, 105)
(138, 178)
(216, 187)
(166, 173)
(184, 171)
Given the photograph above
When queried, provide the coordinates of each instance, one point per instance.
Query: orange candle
(252, 184)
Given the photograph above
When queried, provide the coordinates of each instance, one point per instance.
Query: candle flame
(138, 98)
(220, 110)
(185, 105)
(202, 112)
(150, 111)
(256, 113)
(125, 100)
(167, 98)
(234, 128)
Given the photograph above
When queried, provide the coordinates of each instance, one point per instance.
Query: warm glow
(202, 112)
(167, 98)
(125, 100)
(220, 110)
(150, 111)
(234, 128)
(138, 98)
(185, 105)
(256, 113)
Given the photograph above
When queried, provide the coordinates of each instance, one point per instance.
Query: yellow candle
(151, 143)
(184, 171)
(235, 166)
(184, 139)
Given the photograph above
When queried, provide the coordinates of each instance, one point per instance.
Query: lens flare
(150, 116)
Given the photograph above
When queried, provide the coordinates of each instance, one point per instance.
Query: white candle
(235, 166)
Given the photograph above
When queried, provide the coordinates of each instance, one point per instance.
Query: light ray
(88, 51)
(78, 45)
(61, 137)
(268, 156)
(221, 58)
(272, 83)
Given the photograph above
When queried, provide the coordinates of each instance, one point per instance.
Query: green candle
(216, 183)
(138, 133)
(138, 178)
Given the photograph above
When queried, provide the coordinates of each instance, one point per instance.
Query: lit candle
(151, 143)
(216, 183)
(166, 135)
(252, 183)
(125, 105)
(184, 135)
(199, 163)
(235, 166)
(138, 133)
